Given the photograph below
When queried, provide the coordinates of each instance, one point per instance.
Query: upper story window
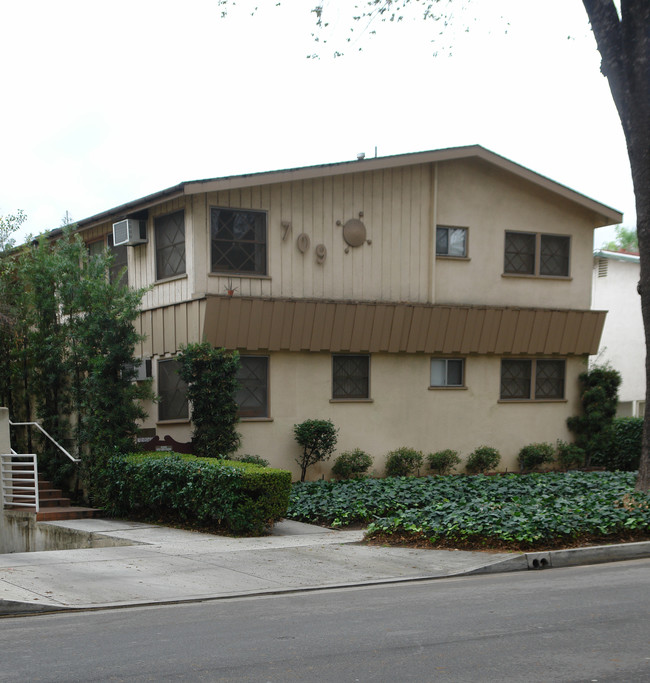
(529, 379)
(238, 241)
(119, 254)
(447, 372)
(451, 241)
(253, 393)
(172, 391)
(170, 244)
(119, 265)
(529, 253)
(350, 377)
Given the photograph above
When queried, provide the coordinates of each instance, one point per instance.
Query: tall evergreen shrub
(74, 342)
(211, 378)
(599, 398)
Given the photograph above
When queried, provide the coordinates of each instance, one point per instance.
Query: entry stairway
(22, 488)
(55, 506)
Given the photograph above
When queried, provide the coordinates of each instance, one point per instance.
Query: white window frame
(449, 228)
(446, 384)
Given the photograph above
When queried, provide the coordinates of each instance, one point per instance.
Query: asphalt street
(589, 623)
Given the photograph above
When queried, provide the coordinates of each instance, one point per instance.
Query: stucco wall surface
(403, 411)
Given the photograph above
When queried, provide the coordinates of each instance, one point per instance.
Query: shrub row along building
(437, 300)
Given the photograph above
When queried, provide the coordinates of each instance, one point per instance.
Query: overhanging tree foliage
(623, 40)
(626, 240)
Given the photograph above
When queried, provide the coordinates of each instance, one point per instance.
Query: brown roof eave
(253, 324)
(123, 210)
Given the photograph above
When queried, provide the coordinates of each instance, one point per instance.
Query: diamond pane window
(451, 241)
(549, 379)
(528, 253)
(170, 245)
(518, 377)
(520, 253)
(253, 393)
(238, 241)
(172, 391)
(119, 263)
(351, 377)
(554, 255)
(95, 248)
(515, 378)
(447, 372)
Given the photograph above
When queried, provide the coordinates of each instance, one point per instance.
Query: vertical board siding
(169, 328)
(395, 204)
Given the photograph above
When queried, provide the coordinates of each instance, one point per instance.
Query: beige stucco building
(435, 300)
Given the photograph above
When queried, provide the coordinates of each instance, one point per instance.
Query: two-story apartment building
(437, 300)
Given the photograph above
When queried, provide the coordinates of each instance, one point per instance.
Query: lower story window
(447, 372)
(172, 391)
(253, 393)
(537, 379)
(350, 377)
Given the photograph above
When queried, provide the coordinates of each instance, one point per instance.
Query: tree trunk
(624, 44)
(643, 228)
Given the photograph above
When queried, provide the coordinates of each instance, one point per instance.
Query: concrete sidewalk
(166, 565)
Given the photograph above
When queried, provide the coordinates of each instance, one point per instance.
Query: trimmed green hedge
(239, 497)
(626, 451)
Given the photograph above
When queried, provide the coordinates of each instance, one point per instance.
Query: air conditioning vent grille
(120, 233)
(129, 232)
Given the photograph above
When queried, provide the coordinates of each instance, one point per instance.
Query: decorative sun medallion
(354, 232)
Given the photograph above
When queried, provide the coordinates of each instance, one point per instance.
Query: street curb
(571, 557)
(597, 554)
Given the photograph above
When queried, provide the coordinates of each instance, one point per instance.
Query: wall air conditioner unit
(142, 369)
(129, 232)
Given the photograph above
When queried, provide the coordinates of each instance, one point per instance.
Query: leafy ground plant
(512, 511)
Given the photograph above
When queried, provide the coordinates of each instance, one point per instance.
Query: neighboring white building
(615, 279)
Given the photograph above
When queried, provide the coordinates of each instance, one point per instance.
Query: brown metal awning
(257, 324)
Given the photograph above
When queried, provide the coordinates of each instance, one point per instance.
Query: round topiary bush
(570, 456)
(534, 455)
(483, 459)
(351, 464)
(403, 461)
(443, 462)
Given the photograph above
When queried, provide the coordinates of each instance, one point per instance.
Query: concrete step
(54, 502)
(50, 493)
(61, 513)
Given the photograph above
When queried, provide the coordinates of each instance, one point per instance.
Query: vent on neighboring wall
(602, 267)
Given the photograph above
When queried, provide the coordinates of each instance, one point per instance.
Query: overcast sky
(106, 102)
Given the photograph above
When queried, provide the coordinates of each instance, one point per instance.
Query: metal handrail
(12, 485)
(58, 445)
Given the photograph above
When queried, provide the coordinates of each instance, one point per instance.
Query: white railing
(56, 443)
(19, 480)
